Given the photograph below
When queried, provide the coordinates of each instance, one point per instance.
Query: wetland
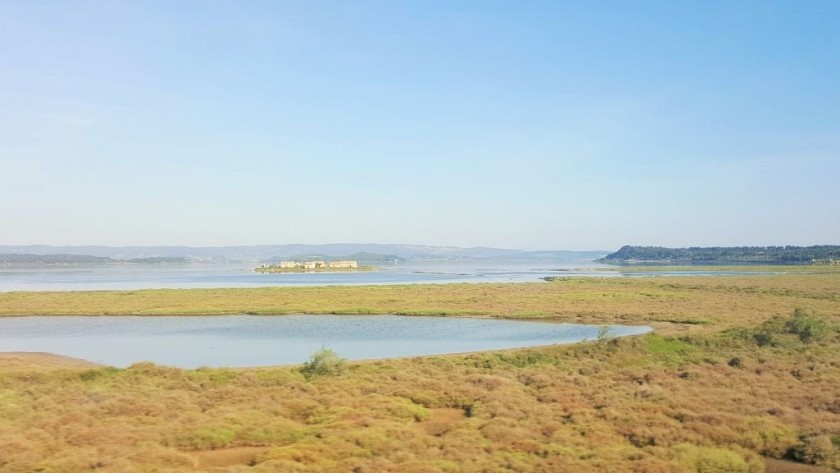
(740, 375)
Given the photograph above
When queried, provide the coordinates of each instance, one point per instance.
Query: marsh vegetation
(744, 369)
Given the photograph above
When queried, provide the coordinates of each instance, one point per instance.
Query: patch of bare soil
(30, 360)
(781, 466)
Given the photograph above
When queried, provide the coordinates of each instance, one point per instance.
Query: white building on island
(343, 264)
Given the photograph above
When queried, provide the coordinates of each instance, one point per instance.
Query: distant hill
(362, 257)
(18, 259)
(264, 253)
(68, 259)
(777, 255)
(367, 257)
(153, 260)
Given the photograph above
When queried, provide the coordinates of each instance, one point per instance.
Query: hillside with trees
(745, 255)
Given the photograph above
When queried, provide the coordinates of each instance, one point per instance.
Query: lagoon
(244, 340)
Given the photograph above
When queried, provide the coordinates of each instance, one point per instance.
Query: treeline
(62, 259)
(775, 255)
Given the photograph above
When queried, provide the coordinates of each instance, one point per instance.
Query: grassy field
(674, 303)
(742, 369)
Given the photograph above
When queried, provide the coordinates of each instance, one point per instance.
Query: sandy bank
(29, 360)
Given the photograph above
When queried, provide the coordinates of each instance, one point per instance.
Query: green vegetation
(323, 362)
(758, 381)
(779, 330)
(752, 255)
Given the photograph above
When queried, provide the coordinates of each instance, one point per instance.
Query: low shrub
(815, 449)
(777, 331)
(807, 327)
(323, 362)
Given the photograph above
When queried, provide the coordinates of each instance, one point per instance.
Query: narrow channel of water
(242, 340)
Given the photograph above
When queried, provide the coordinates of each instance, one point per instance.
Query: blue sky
(534, 125)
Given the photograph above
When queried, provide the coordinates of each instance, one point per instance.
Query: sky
(532, 125)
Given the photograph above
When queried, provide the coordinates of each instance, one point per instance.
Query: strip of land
(675, 303)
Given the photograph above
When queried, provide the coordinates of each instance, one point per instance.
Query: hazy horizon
(418, 245)
(373, 247)
(366, 246)
(533, 126)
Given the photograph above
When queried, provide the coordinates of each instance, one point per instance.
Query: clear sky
(533, 125)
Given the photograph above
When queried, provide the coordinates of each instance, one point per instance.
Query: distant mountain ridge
(778, 255)
(362, 257)
(261, 253)
(68, 259)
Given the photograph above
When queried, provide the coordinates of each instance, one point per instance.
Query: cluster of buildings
(318, 264)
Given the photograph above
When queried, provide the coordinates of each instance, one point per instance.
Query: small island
(313, 266)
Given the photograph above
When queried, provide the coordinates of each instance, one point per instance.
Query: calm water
(241, 340)
(242, 275)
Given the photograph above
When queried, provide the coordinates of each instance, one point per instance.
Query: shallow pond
(243, 340)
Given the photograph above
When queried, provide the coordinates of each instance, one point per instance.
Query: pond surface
(243, 340)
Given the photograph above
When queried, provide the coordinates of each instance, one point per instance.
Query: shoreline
(44, 360)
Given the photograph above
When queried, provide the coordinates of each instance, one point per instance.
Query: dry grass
(707, 399)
